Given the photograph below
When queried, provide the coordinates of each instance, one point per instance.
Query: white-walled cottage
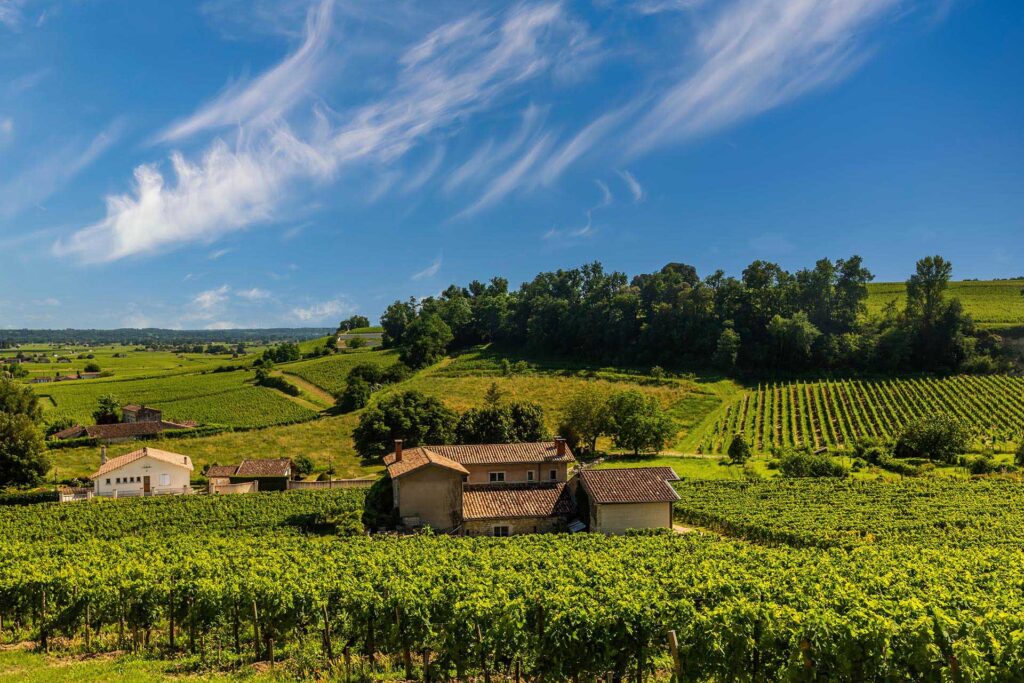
(145, 472)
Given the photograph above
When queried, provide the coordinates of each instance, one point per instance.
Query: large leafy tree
(936, 437)
(23, 459)
(638, 423)
(585, 418)
(18, 399)
(425, 341)
(411, 416)
(108, 410)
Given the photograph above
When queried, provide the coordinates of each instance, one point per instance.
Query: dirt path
(313, 390)
(680, 529)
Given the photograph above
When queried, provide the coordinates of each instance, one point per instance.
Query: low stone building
(120, 431)
(133, 413)
(270, 474)
(145, 472)
(614, 500)
(510, 509)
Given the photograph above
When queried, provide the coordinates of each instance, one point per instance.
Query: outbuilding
(145, 472)
(614, 500)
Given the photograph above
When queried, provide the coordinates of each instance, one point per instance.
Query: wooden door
(145, 484)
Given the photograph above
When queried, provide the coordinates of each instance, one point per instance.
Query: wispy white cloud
(270, 96)
(11, 13)
(217, 254)
(233, 187)
(53, 170)
(513, 178)
(208, 301)
(429, 271)
(323, 310)
(754, 56)
(634, 186)
(606, 194)
(253, 294)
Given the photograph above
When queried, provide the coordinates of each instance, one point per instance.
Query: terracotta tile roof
(131, 407)
(221, 471)
(120, 430)
(494, 453)
(508, 501)
(70, 433)
(415, 458)
(264, 468)
(630, 485)
(155, 453)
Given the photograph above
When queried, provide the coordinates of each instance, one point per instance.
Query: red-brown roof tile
(416, 458)
(630, 485)
(509, 501)
(155, 453)
(264, 468)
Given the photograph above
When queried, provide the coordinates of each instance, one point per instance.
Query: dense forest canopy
(766, 320)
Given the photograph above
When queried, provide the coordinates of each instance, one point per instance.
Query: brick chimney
(560, 447)
(398, 450)
(103, 454)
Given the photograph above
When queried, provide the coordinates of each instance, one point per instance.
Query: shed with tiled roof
(614, 500)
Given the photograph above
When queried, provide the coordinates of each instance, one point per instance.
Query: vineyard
(831, 513)
(993, 304)
(330, 372)
(212, 398)
(911, 604)
(834, 413)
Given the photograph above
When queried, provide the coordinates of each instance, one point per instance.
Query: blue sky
(250, 163)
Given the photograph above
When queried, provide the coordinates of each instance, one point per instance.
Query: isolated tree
(411, 416)
(355, 395)
(108, 410)
(493, 396)
(638, 423)
(303, 465)
(91, 367)
(425, 341)
(927, 286)
(939, 437)
(18, 399)
(23, 459)
(585, 418)
(739, 450)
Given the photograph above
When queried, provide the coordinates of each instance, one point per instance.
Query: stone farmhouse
(507, 489)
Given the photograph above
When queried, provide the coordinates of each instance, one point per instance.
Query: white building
(145, 472)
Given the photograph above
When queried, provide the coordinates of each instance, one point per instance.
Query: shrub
(23, 458)
(739, 450)
(939, 437)
(303, 465)
(804, 464)
(411, 416)
(91, 367)
(637, 422)
(355, 395)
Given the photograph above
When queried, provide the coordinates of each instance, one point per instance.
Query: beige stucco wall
(176, 481)
(433, 494)
(480, 474)
(615, 519)
(531, 525)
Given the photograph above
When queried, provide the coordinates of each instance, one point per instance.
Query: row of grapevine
(553, 607)
(833, 413)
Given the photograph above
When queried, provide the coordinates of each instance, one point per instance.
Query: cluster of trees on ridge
(768, 319)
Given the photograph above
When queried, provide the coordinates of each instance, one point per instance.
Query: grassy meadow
(994, 304)
(121, 361)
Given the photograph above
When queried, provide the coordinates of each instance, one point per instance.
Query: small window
(165, 480)
(497, 476)
(500, 531)
(108, 482)
(554, 475)
(119, 480)
(529, 475)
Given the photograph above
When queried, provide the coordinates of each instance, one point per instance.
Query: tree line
(766, 320)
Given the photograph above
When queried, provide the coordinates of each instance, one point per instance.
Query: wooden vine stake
(673, 648)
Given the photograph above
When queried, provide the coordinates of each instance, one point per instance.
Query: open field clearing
(212, 398)
(993, 304)
(831, 413)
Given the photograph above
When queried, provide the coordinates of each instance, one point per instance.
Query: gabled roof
(264, 468)
(176, 459)
(511, 501)
(504, 453)
(417, 458)
(630, 485)
(221, 471)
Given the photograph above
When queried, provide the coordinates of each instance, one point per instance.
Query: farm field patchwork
(993, 304)
(123, 361)
(216, 397)
(830, 413)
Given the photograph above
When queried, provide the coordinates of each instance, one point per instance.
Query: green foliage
(739, 450)
(939, 437)
(585, 418)
(303, 465)
(1018, 457)
(355, 343)
(354, 322)
(57, 422)
(396, 318)
(727, 350)
(410, 416)
(511, 423)
(797, 463)
(637, 422)
(23, 459)
(331, 373)
(493, 396)
(355, 396)
(91, 367)
(108, 410)
(283, 353)
(17, 399)
(265, 379)
(425, 341)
